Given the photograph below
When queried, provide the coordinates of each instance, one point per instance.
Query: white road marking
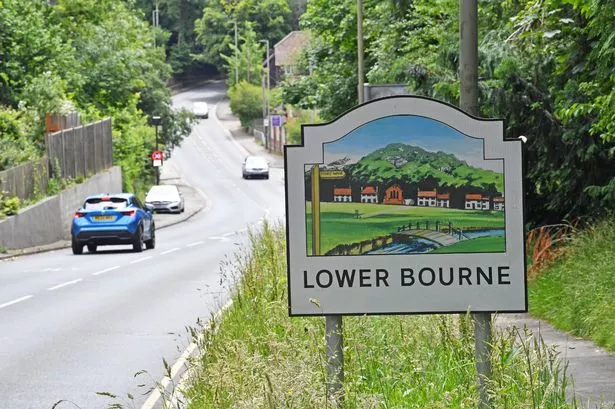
(218, 238)
(140, 259)
(169, 251)
(6, 304)
(106, 270)
(64, 284)
(196, 243)
(228, 234)
(51, 269)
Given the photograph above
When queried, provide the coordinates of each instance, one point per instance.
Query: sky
(413, 130)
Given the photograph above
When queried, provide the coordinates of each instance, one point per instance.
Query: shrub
(246, 102)
(9, 205)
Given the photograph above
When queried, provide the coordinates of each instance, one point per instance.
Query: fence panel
(83, 150)
(27, 180)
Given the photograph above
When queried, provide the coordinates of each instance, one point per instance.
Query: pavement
(246, 142)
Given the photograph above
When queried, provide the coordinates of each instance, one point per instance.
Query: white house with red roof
(486, 202)
(474, 201)
(498, 203)
(342, 194)
(427, 198)
(369, 194)
(443, 200)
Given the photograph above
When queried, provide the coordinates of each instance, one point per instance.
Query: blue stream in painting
(418, 245)
(473, 234)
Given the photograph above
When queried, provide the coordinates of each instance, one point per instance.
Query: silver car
(165, 199)
(255, 167)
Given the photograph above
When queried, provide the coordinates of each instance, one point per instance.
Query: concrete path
(250, 145)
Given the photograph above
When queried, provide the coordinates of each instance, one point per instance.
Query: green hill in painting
(413, 165)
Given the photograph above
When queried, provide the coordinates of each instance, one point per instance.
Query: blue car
(113, 219)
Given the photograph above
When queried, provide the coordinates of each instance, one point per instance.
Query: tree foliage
(270, 20)
(545, 68)
(94, 56)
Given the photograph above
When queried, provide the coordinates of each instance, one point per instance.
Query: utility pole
(156, 122)
(360, 74)
(268, 108)
(468, 102)
(155, 20)
(236, 56)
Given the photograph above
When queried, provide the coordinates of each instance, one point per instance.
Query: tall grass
(576, 292)
(258, 357)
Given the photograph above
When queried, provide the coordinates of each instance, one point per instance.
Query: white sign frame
(506, 293)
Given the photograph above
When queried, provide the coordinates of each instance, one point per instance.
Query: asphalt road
(72, 326)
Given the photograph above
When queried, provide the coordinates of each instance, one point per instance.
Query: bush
(246, 102)
(9, 205)
(293, 125)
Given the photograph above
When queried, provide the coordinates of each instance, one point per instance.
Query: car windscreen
(256, 163)
(105, 203)
(162, 193)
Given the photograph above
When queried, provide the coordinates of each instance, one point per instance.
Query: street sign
(276, 121)
(157, 158)
(422, 214)
(332, 174)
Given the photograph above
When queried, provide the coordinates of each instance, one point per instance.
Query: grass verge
(576, 292)
(256, 356)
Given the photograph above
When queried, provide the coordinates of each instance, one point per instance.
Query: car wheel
(137, 244)
(77, 247)
(92, 248)
(151, 243)
(267, 176)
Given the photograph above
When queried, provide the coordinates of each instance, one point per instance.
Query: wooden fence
(25, 181)
(81, 151)
(72, 153)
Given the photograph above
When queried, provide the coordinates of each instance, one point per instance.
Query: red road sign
(157, 155)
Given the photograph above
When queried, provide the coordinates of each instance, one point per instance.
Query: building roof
(427, 193)
(289, 48)
(394, 187)
(342, 191)
(368, 190)
(498, 199)
(474, 196)
(444, 196)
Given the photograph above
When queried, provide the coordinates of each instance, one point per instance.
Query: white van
(200, 109)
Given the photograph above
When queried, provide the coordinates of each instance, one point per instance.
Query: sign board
(157, 158)
(276, 121)
(422, 214)
(332, 174)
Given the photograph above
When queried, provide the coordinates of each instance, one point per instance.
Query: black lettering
(502, 275)
(345, 277)
(433, 276)
(407, 273)
(363, 277)
(382, 275)
(450, 281)
(305, 281)
(329, 276)
(464, 272)
(481, 273)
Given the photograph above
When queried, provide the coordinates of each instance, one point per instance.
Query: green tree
(270, 20)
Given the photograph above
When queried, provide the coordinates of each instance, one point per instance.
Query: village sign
(405, 205)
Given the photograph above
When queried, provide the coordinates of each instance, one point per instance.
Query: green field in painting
(478, 245)
(340, 226)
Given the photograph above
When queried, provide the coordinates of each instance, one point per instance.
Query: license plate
(103, 218)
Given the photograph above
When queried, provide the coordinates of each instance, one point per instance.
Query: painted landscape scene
(407, 185)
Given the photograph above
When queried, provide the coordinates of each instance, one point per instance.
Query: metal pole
(360, 50)
(236, 56)
(268, 96)
(468, 101)
(157, 167)
(333, 323)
